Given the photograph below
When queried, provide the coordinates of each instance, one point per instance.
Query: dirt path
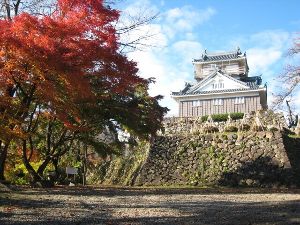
(95, 205)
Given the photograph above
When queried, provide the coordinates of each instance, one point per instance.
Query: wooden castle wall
(207, 107)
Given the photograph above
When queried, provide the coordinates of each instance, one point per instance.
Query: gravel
(110, 205)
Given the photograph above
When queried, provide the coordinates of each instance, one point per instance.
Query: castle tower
(222, 86)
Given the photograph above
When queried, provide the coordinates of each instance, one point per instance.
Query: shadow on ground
(198, 207)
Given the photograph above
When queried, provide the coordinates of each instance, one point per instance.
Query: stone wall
(242, 158)
(183, 125)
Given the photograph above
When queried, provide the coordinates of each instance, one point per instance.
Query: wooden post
(84, 165)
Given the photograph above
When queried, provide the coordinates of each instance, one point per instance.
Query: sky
(264, 29)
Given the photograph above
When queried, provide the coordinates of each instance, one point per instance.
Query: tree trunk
(292, 121)
(34, 175)
(3, 155)
(42, 167)
(55, 164)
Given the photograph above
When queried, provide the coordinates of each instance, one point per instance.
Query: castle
(222, 86)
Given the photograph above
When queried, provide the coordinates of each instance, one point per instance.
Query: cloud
(140, 6)
(185, 19)
(276, 39)
(188, 50)
(269, 58)
(171, 62)
(265, 52)
(260, 60)
(167, 77)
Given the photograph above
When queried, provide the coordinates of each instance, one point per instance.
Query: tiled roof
(219, 57)
(214, 73)
(252, 82)
(213, 91)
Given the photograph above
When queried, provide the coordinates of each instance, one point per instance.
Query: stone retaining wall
(243, 158)
(182, 125)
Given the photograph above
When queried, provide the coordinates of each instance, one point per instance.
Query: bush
(219, 117)
(204, 118)
(223, 117)
(236, 116)
(19, 174)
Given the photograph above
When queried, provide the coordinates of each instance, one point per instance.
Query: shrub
(219, 117)
(223, 117)
(204, 118)
(236, 116)
(19, 174)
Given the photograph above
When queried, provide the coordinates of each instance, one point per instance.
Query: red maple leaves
(52, 59)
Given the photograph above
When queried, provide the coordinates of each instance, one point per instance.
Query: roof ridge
(197, 85)
(217, 91)
(214, 73)
(220, 53)
(232, 78)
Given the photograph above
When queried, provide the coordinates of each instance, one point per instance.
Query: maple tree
(66, 65)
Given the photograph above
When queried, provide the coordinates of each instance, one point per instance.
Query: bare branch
(35, 7)
(136, 30)
(290, 78)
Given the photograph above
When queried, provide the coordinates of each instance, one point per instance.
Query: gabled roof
(212, 75)
(208, 57)
(250, 84)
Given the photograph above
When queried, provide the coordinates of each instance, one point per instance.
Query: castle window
(196, 103)
(233, 68)
(239, 100)
(213, 66)
(207, 69)
(219, 85)
(218, 101)
(210, 66)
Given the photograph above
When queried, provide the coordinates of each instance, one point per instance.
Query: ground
(110, 205)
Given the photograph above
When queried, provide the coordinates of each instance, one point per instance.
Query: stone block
(269, 135)
(261, 134)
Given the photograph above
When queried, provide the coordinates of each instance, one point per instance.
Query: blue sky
(265, 29)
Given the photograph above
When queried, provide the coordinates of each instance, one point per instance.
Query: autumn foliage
(66, 65)
(57, 55)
